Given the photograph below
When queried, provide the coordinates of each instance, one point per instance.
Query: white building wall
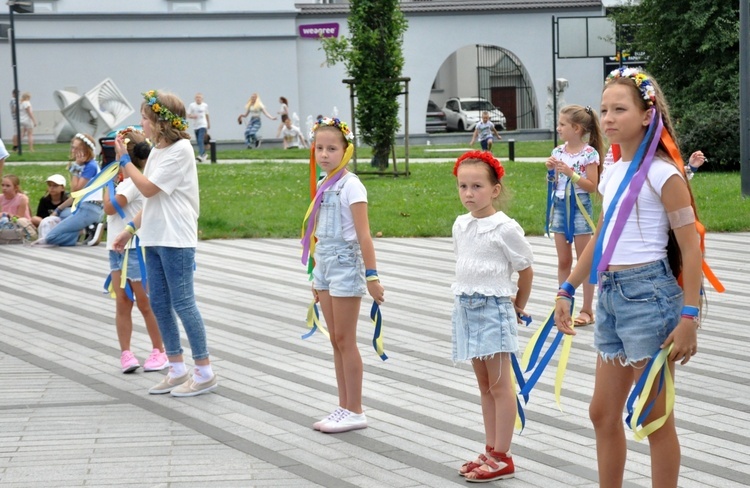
(236, 47)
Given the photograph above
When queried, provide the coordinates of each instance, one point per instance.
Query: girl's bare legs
(341, 315)
(611, 389)
(123, 310)
(144, 306)
(498, 401)
(664, 445)
(564, 258)
(581, 241)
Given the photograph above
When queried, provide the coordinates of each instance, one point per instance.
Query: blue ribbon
(377, 320)
(113, 200)
(638, 390)
(550, 198)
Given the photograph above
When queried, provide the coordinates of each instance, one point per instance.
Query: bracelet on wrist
(568, 288)
(690, 310)
(692, 168)
(130, 227)
(371, 272)
(372, 278)
(124, 160)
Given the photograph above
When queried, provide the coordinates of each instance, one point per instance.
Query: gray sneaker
(168, 384)
(193, 388)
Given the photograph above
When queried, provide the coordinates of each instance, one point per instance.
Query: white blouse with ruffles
(488, 251)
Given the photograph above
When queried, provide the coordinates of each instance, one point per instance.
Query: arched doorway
(503, 80)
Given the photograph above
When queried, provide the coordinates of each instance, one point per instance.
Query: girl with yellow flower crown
(168, 230)
(646, 236)
(345, 267)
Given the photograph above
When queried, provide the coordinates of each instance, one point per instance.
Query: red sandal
(470, 466)
(495, 472)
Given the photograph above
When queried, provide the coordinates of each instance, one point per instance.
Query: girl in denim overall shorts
(489, 247)
(641, 309)
(344, 254)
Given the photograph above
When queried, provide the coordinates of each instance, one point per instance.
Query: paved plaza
(69, 418)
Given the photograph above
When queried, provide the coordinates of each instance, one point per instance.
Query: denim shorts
(637, 309)
(340, 270)
(485, 143)
(580, 224)
(115, 264)
(483, 326)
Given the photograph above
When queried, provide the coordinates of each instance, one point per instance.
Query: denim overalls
(339, 267)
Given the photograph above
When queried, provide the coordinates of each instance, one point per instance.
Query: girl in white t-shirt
(168, 230)
(641, 308)
(121, 208)
(573, 169)
(344, 265)
(283, 114)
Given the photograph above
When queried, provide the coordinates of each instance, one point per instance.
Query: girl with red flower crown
(489, 247)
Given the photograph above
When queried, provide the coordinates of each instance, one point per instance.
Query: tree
(373, 58)
(692, 48)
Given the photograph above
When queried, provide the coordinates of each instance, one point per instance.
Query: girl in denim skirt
(489, 247)
(168, 230)
(645, 237)
(345, 267)
(574, 168)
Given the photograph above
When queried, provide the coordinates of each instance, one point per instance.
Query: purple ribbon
(312, 219)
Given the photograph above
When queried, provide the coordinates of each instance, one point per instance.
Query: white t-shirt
(3, 152)
(485, 130)
(115, 223)
(201, 110)
(488, 251)
(645, 235)
(25, 118)
(352, 191)
(170, 218)
(292, 136)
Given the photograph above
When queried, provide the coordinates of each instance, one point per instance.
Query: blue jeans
(170, 283)
(66, 232)
(200, 135)
(637, 309)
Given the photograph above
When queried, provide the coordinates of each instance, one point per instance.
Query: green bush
(715, 130)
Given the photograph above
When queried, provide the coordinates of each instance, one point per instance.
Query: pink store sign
(315, 31)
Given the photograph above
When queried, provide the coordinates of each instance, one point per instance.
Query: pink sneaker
(157, 361)
(129, 362)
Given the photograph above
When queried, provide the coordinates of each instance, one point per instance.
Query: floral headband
(178, 123)
(485, 157)
(642, 82)
(86, 140)
(335, 122)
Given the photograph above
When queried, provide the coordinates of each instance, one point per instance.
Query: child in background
(121, 208)
(641, 308)
(14, 202)
(54, 197)
(576, 166)
(89, 211)
(292, 136)
(168, 230)
(283, 112)
(198, 112)
(254, 108)
(484, 131)
(345, 266)
(3, 156)
(489, 247)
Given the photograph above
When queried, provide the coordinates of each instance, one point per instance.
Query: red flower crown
(485, 157)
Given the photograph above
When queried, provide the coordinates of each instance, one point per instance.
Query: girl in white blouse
(489, 247)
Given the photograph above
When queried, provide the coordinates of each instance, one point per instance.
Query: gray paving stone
(65, 405)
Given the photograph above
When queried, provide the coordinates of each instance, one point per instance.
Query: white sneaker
(331, 417)
(345, 422)
(97, 237)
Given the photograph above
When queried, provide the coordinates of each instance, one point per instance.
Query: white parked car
(464, 113)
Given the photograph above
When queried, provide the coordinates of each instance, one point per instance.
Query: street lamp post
(20, 7)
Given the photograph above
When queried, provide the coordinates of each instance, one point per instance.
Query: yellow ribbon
(99, 181)
(313, 321)
(660, 361)
(584, 212)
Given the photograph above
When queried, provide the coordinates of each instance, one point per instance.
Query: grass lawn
(269, 199)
